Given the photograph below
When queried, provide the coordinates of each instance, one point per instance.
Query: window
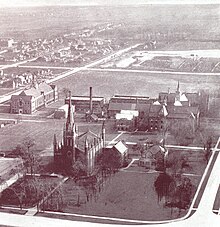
(20, 102)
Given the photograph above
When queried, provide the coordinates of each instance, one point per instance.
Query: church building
(83, 148)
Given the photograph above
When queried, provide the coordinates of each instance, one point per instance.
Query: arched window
(20, 102)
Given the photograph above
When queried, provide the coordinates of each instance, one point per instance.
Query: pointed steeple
(178, 88)
(70, 119)
(177, 98)
(55, 140)
(86, 144)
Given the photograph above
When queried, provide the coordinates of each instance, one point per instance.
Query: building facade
(31, 99)
(83, 148)
(83, 104)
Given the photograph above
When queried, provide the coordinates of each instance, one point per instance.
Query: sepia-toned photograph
(109, 113)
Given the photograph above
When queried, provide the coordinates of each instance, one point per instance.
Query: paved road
(68, 73)
(17, 63)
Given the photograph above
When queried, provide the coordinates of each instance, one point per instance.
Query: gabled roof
(170, 97)
(155, 110)
(183, 109)
(153, 150)
(87, 137)
(24, 97)
(177, 103)
(121, 147)
(183, 98)
(32, 92)
(44, 87)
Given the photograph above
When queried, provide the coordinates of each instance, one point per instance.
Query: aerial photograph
(110, 113)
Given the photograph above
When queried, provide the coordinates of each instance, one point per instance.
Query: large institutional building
(74, 147)
(29, 100)
(156, 114)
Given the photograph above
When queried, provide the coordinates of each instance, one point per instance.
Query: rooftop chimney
(90, 100)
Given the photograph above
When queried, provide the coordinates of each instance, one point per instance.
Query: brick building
(31, 99)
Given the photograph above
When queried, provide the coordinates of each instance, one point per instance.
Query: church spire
(178, 88)
(177, 98)
(55, 140)
(70, 119)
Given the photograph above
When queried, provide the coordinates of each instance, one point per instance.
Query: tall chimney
(90, 100)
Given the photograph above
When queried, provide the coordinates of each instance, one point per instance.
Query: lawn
(130, 193)
(42, 132)
(127, 195)
(108, 84)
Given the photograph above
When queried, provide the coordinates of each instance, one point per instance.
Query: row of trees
(173, 186)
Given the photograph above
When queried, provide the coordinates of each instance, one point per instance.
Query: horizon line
(117, 4)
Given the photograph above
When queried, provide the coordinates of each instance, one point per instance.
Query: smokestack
(90, 100)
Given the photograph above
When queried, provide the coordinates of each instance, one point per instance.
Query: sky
(18, 3)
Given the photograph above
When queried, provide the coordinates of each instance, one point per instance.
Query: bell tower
(69, 136)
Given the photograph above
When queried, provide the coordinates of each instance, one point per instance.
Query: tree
(29, 157)
(25, 152)
(78, 169)
(162, 184)
(66, 91)
(183, 132)
(206, 139)
(110, 159)
(177, 163)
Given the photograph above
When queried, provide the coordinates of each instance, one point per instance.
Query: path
(68, 73)
(153, 71)
(17, 63)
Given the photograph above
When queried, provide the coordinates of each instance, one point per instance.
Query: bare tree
(66, 91)
(206, 139)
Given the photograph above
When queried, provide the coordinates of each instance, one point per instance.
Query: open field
(42, 131)
(108, 84)
(178, 61)
(197, 44)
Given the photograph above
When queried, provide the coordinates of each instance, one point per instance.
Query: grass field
(108, 84)
(42, 132)
(122, 198)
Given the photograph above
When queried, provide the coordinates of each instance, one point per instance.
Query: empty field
(42, 132)
(108, 84)
(195, 60)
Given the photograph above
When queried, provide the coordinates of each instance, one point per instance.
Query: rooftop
(86, 98)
